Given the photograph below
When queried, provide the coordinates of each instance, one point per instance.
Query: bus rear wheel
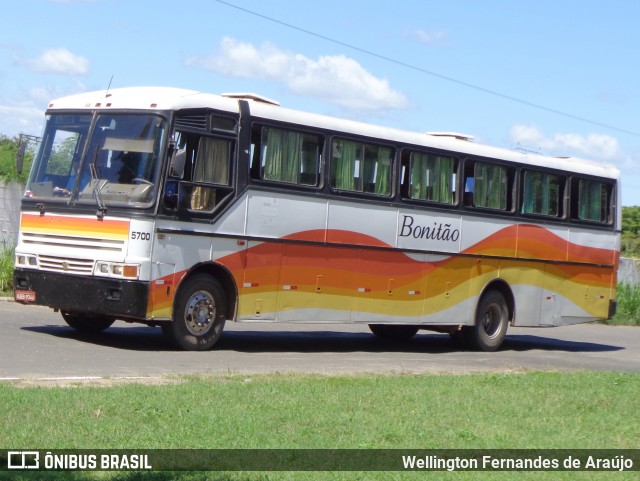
(199, 314)
(87, 322)
(492, 320)
(394, 332)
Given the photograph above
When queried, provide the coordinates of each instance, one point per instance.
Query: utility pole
(23, 141)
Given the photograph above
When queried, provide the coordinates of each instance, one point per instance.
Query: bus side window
(542, 193)
(281, 155)
(359, 167)
(211, 167)
(488, 186)
(203, 163)
(432, 178)
(591, 200)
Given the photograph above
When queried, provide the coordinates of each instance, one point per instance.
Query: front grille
(66, 264)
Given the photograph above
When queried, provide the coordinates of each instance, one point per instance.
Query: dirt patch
(93, 381)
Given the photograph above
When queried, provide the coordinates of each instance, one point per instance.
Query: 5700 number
(145, 236)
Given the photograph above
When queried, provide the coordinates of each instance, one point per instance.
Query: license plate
(25, 296)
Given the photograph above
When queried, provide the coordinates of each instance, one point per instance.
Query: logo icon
(23, 460)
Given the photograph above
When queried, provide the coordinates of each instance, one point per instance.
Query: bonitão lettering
(438, 231)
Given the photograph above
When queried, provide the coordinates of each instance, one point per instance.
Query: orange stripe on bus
(59, 225)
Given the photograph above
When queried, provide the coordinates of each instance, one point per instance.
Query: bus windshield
(111, 159)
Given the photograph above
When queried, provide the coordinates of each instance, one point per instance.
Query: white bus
(185, 210)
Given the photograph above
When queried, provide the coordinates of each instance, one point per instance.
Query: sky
(561, 78)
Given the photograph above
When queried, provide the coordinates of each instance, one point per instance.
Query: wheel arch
(223, 276)
(503, 288)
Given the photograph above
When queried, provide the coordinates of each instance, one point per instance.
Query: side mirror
(171, 196)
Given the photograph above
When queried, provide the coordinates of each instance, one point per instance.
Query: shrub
(6, 268)
(628, 310)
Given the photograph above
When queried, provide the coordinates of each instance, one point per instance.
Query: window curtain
(371, 169)
(212, 162)
(310, 161)
(432, 178)
(490, 186)
(345, 155)
(420, 175)
(530, 190)
(443, 180)
(552, 195)
(282, 151)
(592, 197)
(382, 180)
(212, 167)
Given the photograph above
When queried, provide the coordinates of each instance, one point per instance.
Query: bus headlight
(111, 269)
(26, 260)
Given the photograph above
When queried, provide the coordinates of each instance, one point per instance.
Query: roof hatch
(455, 135)
(251, 96)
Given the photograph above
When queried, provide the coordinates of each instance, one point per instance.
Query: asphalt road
(36, 344)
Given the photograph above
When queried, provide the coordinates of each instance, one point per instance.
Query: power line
(416, 68)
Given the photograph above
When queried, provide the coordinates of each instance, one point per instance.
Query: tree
(630, 232)
(8, 151)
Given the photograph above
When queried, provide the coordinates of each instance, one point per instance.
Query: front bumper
(116, 298)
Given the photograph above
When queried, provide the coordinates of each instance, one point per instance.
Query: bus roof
(167, 98)
(143, 98)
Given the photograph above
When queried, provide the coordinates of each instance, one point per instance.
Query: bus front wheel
(199, 314)
(492, 320)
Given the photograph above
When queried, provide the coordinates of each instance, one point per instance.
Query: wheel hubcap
(200, 313)
(492, 320)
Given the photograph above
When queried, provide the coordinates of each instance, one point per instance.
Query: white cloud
(40, 94)
(58, 61)
(429, 38)
(16, 119)
(335, 78)
(598, 147)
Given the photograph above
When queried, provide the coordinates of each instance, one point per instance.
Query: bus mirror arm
(171, 150)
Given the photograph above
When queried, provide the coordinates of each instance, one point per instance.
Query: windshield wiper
(96, 185)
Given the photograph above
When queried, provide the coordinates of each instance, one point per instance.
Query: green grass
(6, 269)
(526, 410)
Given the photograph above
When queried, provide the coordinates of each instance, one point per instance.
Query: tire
(88, 323)
(199, 314)
(492, 320)
(393, 331)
